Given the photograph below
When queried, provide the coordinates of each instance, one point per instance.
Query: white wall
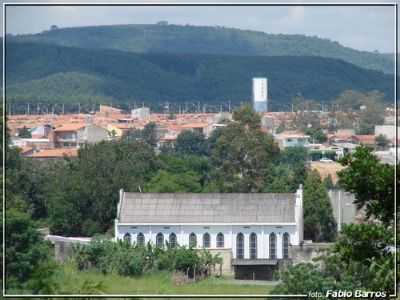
(230, 232)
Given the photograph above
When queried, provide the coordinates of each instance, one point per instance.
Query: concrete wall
(229, 231)
(389, 131)
(307, 252)
(63, 246)
(344, 210)
(92, 134)
(226, 267)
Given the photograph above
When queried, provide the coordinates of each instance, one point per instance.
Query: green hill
(206, 40)
(52, 74)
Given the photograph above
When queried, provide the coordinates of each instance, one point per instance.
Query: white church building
(253, 232)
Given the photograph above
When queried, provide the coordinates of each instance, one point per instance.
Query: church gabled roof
(181, 208)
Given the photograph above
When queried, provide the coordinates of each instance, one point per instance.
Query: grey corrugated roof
(207, 208)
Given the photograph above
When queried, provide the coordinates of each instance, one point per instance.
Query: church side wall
(230, 233)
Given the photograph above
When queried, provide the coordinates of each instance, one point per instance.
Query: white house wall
(229, 231)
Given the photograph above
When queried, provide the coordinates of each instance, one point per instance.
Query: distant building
(54, 154)
(77, 134)
(253, 233)
(292, 139)
(260, 95)
(388, 131)
(142, 113)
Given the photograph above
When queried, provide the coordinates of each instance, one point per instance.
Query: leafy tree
(190, 143)
(24, 133)
(242, 154)
(303, 278)
(288, 171)
(328, 182)
(149, 134)
(29, 266)
(84, 197)
(319, 223)
(165, 182)
(359, 259)
(381, 141)
(317, 135)
(371, 182)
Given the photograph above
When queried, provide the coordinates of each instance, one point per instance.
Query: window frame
(158, 240)
(206, 240)
(220, 240)
(240, 242)
(272, 241)
(253, 245)
(140, 240)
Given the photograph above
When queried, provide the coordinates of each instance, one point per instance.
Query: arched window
(159, 240)
(206, 240)
(140, 239)
(172, 240)
(220, 240)
(253, 246)
(192, 240)
(286, 239)
(127, 238)
(240, 245)
(272, 246)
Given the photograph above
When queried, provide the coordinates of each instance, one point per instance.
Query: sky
(367, 28)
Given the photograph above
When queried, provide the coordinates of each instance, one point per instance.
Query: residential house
(75, 135)
(292, 139)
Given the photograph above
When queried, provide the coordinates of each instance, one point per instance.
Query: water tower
(260, 95)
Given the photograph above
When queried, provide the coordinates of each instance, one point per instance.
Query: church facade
(253, 231)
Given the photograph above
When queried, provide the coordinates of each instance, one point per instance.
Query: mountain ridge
(181, 39)
(39, 72)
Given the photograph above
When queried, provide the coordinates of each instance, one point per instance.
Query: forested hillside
(47, 73)
(206, 40)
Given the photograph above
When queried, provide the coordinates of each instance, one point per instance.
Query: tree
(303, 278)
(372, 114)
(84, 197)
(316, 134)
(190, 143)
(29, 266)
(288, 171)
(359, 260)
(148, 134)
(242, 154)
(381, 141)
(371, 182)
(319, 223)
(165, 182)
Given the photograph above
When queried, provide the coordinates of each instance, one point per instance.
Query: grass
(87, 282)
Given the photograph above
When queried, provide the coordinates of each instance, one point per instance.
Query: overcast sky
(360, 27)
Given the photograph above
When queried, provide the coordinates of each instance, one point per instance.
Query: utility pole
(63, 108)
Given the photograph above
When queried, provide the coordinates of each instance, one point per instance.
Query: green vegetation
(319, 223)
(41, 73)
(362, 257)
(78, 282)
(207, 40)
(79, 197)
(371, 182)
(127, 259)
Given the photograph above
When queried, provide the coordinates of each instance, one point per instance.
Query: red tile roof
(56, 153)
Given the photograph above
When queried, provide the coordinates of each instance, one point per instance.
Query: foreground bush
(127, 259)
